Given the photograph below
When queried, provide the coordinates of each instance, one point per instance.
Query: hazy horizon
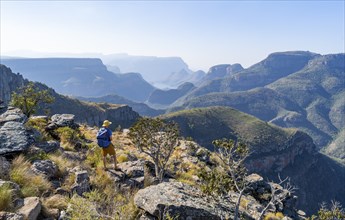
(202, 33)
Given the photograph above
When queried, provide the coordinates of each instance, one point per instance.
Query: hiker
(104, 141)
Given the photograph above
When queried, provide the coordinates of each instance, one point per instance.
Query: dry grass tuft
(31, 184)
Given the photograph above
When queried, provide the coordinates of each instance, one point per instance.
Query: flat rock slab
(181, 201)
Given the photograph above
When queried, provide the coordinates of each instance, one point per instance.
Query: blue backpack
(103, 138)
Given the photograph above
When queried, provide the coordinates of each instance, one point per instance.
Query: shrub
(215, 182)
(31, 184)
(39, 124)
(67, 135)
(5, 198)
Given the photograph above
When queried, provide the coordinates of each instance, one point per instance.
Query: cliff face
(282, 156)
(9, 82)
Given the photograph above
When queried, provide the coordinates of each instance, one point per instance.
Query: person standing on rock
(104, 141)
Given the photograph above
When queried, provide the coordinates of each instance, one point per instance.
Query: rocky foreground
(68, 182)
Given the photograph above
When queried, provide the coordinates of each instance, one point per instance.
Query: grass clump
(81, 208)
(122, 158)
(5, 198)
(31, 184)
(56, 202)
(274, 216)
(62, 163)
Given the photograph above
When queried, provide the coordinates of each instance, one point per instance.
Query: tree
(233, 155)
(286, 184)
(156, 139)
(29, 97)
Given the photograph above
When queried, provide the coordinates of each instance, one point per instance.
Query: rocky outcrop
(14, 137)
(63, 120)
(180, 201)
(9, 82)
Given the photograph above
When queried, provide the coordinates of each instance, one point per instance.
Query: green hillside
(207, 124)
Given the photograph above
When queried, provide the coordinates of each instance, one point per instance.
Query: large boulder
(13, 135)
(62, 120)
(14, 138)
(182, 201)
(31, 209)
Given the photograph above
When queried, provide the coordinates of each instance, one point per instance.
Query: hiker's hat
(106, 123)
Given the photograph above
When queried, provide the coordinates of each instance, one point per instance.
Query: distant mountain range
(81, 77)
(162, 72)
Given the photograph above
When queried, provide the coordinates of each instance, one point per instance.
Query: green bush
(215, 182)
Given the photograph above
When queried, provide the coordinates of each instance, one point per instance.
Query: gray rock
(49, 146)
(14, 138)
(203, 154)
(13, 114)
(18, 203)
(182, 201)
(39, 117)
(10, 216)
(257, 187)
(81, 183)
(31, 209)
(4, 168)
(46, 168)
(133, 169)
(63, 120)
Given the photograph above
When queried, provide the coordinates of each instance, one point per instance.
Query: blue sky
(203, 33)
